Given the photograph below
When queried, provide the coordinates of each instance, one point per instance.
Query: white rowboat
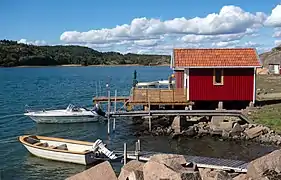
(66, 150)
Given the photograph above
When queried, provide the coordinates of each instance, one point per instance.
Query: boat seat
(37, 144)
(41, 144)
(61, 147)
(32, 140)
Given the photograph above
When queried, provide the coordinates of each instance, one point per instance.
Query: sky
(146, 26)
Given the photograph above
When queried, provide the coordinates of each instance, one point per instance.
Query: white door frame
(186, 82)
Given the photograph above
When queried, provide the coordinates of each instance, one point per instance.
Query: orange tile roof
(235, 57)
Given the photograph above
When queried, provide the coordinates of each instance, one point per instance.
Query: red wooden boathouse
(216, 75)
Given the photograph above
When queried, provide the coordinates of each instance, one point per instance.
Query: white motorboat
(71, 114)
(67, 150)
(155, 84)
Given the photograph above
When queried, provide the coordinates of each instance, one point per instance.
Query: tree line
(13, 53)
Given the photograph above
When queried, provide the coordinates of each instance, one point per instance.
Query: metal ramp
(201, 162)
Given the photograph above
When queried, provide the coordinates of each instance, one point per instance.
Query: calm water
(59, 86)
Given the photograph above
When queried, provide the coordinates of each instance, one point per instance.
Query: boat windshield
(70, 107)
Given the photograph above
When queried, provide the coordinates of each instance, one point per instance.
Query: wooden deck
(152, 96)
(236, 113)
(144, 96)
(102, 99)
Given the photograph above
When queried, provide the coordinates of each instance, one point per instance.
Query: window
(218, 77)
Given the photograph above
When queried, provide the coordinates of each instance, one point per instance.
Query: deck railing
(153, 95)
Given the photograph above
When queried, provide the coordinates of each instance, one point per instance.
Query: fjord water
(56, 87)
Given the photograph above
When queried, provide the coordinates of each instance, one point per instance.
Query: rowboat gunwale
(22, 140)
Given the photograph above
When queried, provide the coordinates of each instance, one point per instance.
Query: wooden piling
(125, 153)
(115, 104)
(137, 152)
(108, 114)
(139, 146)
(149, 116)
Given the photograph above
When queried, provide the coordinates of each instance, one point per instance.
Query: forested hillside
(17, 54)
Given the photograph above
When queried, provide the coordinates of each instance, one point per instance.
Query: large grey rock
(178, 124)
(241, 177)
(171, 160)
(155, 171)
(102, 171)
(255, 131)
(227, 126)
(259, 166)
(136, 175)
(236, 130)
(131, 166)
(216, 120)
(208, 174)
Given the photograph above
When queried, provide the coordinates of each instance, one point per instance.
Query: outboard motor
(98, 110)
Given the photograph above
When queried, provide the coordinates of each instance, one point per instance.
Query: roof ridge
(211, 48)
(194, 57)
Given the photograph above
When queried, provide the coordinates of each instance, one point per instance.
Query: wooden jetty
(104, 99)
(236, 113)
(153, 97)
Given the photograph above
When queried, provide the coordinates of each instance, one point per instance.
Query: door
(186, 83)
(276, 69)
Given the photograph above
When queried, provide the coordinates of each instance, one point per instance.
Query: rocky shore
(176, 167)
(225, 128)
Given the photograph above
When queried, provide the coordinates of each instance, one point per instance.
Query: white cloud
(277, 42)
(225, 44)
(230, 27)
(230, 20)
(205, 38)
(252, 44)
(147, 42)
(275, 18)
(36, 42)
(277, 34)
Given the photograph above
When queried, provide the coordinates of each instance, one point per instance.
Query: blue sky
(147, 26)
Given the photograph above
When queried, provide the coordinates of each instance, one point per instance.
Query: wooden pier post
(137, 151)
(115, 103)
(108, 113)
(139, 145)
(125, 153)
(149, 116)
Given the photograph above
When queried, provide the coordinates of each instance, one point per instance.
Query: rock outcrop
(102, 171)
(228, 128)
(165, 166)
(132, 168)
(265, 166)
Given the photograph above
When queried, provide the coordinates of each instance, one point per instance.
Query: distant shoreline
(80, 65)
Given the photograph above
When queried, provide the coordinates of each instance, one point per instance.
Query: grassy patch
(268, 115)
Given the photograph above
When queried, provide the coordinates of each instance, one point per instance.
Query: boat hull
(64, 119)
(84, 159)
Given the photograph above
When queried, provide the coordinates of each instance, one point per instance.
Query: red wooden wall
(179, 75)
(238, 85)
